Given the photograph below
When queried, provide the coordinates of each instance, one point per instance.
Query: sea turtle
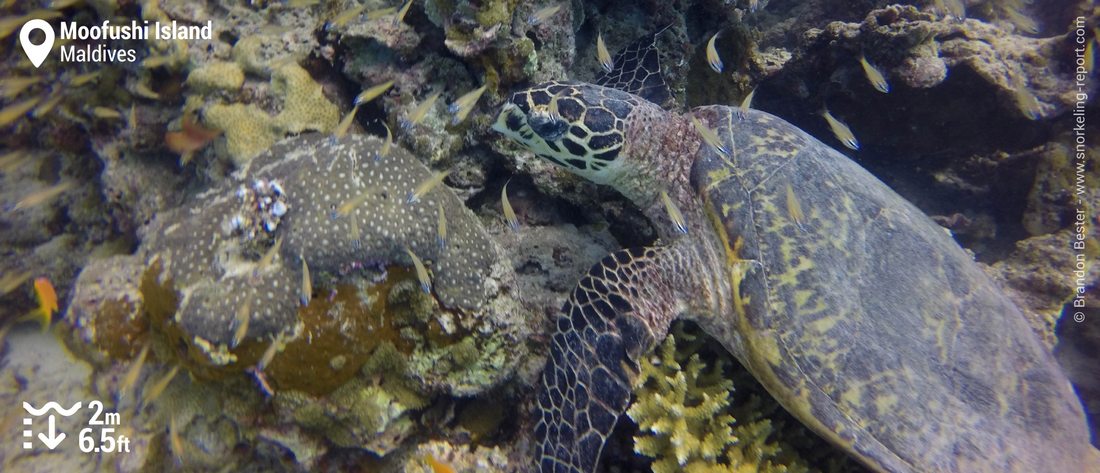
(861, 316)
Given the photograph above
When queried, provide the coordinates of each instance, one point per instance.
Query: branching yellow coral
(688, 423)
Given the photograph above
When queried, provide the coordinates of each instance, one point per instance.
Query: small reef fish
(425, 187)
(142, 90)
(10, 281)
(746, 104)
(47, 106)
(347, 207)
(132, 373)
(794, 207)
(438, 466)
(417, 115)
(342, 19)
(17, 110)
(301, 3)
(710, 137)
(81, 79)
(603, 56)
(442, 226)
(401, 13)
(379, 13)
(174, 441)
(674, 213)
(153, 62)
(12, 86)
(951, 8)
(306, 293)
(542, 15)
(243, 317)
(190, 139)
(345, 124)
(386, 145)
(157, 388)
(421, 272)
(356, 236)
(509, 213)
(106, 113)
(1090, 55)
(842, 132)
(268, 257)
(1027, 102)
(372, 93)
(47, 302)
(11, 161)
(874, 75)
(754, 6)
(269, 354)
(44, 195)
(465, 104)
(712, 55)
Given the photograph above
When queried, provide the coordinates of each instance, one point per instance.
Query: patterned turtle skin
(860, 315)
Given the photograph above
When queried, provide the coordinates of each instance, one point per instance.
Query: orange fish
(192, 138)
(47, 303)
(438, 466)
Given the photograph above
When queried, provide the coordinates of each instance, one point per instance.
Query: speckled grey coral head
(586, 132)
(213, 250)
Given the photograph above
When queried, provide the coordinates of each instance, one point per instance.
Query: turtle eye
(547, 127)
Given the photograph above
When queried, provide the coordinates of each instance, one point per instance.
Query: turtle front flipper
(616, 314)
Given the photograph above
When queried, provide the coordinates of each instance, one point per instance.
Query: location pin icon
(36, 52)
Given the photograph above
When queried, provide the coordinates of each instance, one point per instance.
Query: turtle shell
(867, 321)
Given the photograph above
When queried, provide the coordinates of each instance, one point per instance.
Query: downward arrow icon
(54, 439)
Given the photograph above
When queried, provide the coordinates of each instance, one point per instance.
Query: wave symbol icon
(51, 406)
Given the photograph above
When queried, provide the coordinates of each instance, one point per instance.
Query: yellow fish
(372, 93)
(746, 104)
(10, 281)
(353, 203)
(339, 21)
(17, 110)
(268, 257)
(794, 208)
(379, 13)
(874, 76)
(142, 90)
(710, 137)
(465, 104)
(1090, 57)
(421, 272)
(158, 387)
(174, 441)
(306, 293)
(1027, 102)
(401, 13)
(509, 214)
(442, 225)
(842, 132)
(81, 79)
(12, 160)
(47, 106)
(603, 56)
(43, 195)
(132, 373)
(425, 187)
(542, 15)
(153, 62)
(345, 124)
(269, 354)
(106, 113)
(244, 315)
(674, 213)
(386, 145)
(12, 86)
(421, 111)
(712, 55)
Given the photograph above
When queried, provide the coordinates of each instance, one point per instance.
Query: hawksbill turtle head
(599, 133)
